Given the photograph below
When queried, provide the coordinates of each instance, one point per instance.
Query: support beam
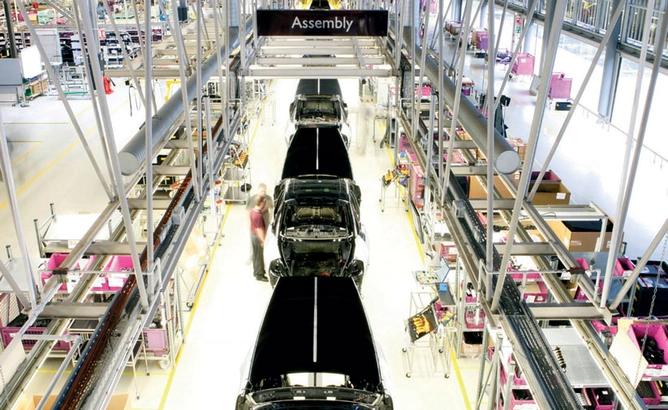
(317, 72)
(133, 155)
(170, 170)
(527, 248)
(73, 310)
(564, 311)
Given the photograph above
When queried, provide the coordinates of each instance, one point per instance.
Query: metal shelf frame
(236, 53)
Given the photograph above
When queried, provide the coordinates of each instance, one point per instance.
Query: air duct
(134, 153)
(506, 159)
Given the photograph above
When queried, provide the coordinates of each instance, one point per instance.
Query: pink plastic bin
(116, 265)
(8, 334)
(155, 341)
(517, 403)
(656, 395)
(519, 382)
(518, 276)
(54, 262)
(623, 265)
(655, 331)
(594, 397)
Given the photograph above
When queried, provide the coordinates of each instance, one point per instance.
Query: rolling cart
(429, 337)
(397, 177)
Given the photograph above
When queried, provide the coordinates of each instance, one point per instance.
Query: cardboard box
(117, 402)
(535, 292)
(476, 189)
(581, 236)
(551, 190)
(552, 194)
(519, 145)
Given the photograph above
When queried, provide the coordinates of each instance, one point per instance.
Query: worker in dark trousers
(267, 212)
(258, 234)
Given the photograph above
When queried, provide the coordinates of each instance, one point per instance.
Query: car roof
(319, 87)
(315, 325)
(317, 151)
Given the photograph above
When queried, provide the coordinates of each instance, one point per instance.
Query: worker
(267, 213)
(35, 5)
(258, 235)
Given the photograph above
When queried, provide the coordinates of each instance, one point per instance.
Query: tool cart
(429, 334)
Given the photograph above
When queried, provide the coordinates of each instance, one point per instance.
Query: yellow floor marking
(458, 373)
(52, 163)
(199, 292)
(25, 154)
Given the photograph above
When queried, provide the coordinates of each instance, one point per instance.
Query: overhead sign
(322, 22)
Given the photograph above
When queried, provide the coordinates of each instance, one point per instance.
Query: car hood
(316, 325)
(317, 151)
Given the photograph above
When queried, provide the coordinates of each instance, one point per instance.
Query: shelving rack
(382, 57)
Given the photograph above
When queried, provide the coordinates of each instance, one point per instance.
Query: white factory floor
(229, 308)
(228, 311)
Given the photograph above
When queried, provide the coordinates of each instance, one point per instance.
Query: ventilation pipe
(134, 153)
(506, 159)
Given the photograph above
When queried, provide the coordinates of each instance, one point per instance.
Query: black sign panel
(322, 22)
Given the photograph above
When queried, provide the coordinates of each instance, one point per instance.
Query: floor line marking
(455, 365)
(37, 123)
(163, 400)
(58, 158)
(25, 154)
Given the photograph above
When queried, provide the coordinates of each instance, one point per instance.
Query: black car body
(316, 230)
(314, 327)
(317, 151)
(319, 103)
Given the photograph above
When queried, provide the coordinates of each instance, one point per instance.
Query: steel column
(560, 9)
(615, 17)
(6, 168)
(626, 182)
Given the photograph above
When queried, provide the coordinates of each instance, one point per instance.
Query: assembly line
(455, 170)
